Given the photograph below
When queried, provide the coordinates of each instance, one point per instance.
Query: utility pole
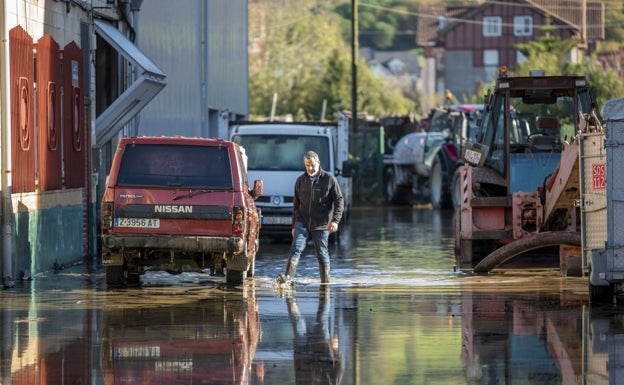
(354, 55)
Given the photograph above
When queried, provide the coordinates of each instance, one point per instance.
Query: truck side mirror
(258, 189)
(347, 169)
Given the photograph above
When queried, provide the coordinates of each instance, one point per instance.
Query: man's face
(311, 165)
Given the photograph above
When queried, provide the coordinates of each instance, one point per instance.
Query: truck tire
(600, 294)
(439, 186)
(456, 189)
(251, 271)
(395, 193)
(114, 276)
(252, 268)
(390, 186)
(235, 277)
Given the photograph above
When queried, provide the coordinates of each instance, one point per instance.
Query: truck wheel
(456, 189)
(438, 185)
(252, 268)
(600, 294)
(390, 186)
(395, 193)
(235, 277)
(114, 276)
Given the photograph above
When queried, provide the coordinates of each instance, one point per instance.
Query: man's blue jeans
(319, 238)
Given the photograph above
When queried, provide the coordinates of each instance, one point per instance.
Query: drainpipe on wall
(94, 168)
(6, 215)
(135, 7)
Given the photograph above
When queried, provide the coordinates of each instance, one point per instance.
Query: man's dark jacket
(317, 201)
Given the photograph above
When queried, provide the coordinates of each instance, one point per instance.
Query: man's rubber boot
(291, 268)
(324, 272)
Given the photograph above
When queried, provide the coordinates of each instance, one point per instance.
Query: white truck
(275, 154)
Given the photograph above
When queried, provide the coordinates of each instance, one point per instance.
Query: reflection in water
(80, 335)
(207, 342)
(518, 340)
(473, 334)
(317, 356)
(396, 314)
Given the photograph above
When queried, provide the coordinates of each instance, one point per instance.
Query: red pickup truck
(180, 202)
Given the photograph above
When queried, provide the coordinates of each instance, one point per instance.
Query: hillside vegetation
(300, 60)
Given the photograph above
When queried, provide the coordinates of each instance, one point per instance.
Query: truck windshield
(533, 127)
(282, 152)
(159, 165)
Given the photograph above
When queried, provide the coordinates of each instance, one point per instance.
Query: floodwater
(395, 313)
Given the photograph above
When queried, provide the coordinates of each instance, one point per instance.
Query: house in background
(464, 46)
(400, 68)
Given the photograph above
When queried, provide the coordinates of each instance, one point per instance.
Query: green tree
(298, 55)
(614, 21)
(383, 24)
(550, 54)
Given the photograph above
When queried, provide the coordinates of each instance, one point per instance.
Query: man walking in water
(317, 209)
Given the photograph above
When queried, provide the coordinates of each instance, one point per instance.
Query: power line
(467, 21)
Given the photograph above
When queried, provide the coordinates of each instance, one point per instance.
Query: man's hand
(333, 227)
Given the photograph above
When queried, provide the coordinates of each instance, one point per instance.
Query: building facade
(469, 43)
(74, 80)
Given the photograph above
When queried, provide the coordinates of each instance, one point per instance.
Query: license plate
(147, 223)
(472, 156)
(277, 221)
(137, 351)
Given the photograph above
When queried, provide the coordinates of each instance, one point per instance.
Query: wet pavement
(395, 313)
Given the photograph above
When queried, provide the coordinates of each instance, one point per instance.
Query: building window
(492, 26)
(523, 25)
(490, 57)
(490, 62)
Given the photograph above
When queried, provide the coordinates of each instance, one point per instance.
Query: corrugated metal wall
(49, 113)
(49, 222)
(74, 131)
(22, 72)
(202, 47)
(226, 55)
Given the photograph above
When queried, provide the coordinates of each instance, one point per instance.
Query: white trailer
(275, 155)
(603, 209)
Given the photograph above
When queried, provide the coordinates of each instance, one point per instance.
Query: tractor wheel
(438, 184)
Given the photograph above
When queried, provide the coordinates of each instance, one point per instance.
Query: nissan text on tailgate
(179, 204)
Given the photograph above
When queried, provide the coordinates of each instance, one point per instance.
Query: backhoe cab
(518, 187)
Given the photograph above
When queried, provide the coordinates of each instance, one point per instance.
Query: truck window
(282, 152)
(494, 130)
(440, 121)
(158, 165)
